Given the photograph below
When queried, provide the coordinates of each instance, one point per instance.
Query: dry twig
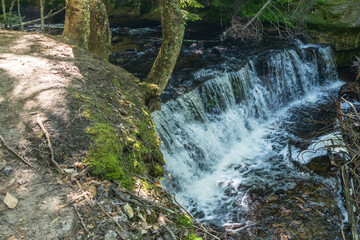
(47, 135)
(13, 152)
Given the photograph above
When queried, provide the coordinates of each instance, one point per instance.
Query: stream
(244, 132)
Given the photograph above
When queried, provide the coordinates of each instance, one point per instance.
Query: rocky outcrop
(337, 23)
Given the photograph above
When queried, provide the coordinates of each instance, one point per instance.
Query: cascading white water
(228, 135)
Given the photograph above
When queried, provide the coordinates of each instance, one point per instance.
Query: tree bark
(100, 34)
(87, 23)
(173, 33)
(77, 21)
(19, 13)
(4, 12)
(11, 12)
(42, 15)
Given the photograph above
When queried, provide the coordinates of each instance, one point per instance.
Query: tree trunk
(77, 21)
(42, 15)
(4, 12)
(11, 12)
(173, 33)
(87, 23)
(100, 34)
(19, 13)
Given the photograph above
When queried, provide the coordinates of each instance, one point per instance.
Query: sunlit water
(231, 143)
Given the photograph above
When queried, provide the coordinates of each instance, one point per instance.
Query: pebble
(2, 164)
(111, 235)
(7, 170)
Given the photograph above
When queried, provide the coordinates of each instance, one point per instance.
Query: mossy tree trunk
(42, 15)
(77, 21)
(19, 13)
(87, 23)
(173, 29)
(100, 34)
(4, 12)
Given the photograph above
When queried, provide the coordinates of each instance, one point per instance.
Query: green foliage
(184, 221)
(188, 16)
(192, 17)
(190, 4)
(192, 236)
(278, 12)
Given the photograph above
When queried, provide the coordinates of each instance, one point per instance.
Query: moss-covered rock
(123, 143)
(337, 23)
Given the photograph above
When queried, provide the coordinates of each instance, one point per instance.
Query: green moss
(184, 221)
(192, 236)
(158, 171)
(122, 147)
(106, 154)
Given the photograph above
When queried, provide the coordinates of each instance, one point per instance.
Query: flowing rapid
(231, 145)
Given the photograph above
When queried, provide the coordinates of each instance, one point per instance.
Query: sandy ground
(34, 74)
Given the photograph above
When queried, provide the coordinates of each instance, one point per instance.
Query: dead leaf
(79, 165)
(162, 219)
(129, 211)
(10, 201)
(69, 170)
(125, 103)
(92, 191)
(158, 184)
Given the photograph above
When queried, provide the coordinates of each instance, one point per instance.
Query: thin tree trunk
(19, 13)
(10, 12)
(50, 14)
(42, 15)
(4, 12)
(173, 33)
(257, 14)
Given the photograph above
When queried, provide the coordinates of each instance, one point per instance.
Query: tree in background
(86, 22)
(173, 29)
(4, 11)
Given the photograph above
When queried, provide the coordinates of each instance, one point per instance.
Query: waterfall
(224, 137)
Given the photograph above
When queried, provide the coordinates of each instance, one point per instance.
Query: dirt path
(34, 73)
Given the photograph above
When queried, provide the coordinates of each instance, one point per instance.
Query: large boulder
(337, 23)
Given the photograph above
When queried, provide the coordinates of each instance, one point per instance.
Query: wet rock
(7, 170)
(2, 164)
(129, 211)
(110, 235)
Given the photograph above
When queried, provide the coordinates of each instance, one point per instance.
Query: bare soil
(35, 72)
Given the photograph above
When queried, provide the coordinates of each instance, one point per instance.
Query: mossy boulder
(337, 23)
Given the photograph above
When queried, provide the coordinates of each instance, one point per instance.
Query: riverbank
(98, 126)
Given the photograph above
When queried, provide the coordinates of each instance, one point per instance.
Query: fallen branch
(81, 220)
(200, 225)
(353, 107)
(50, 14)
(341, 227)
(172, 235)
(349, 204)
(47, 135)
(257, 14)
(13, 152)
(117, 224)
(140, 200)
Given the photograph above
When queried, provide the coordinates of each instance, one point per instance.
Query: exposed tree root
(13, 152)
(47, 135)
